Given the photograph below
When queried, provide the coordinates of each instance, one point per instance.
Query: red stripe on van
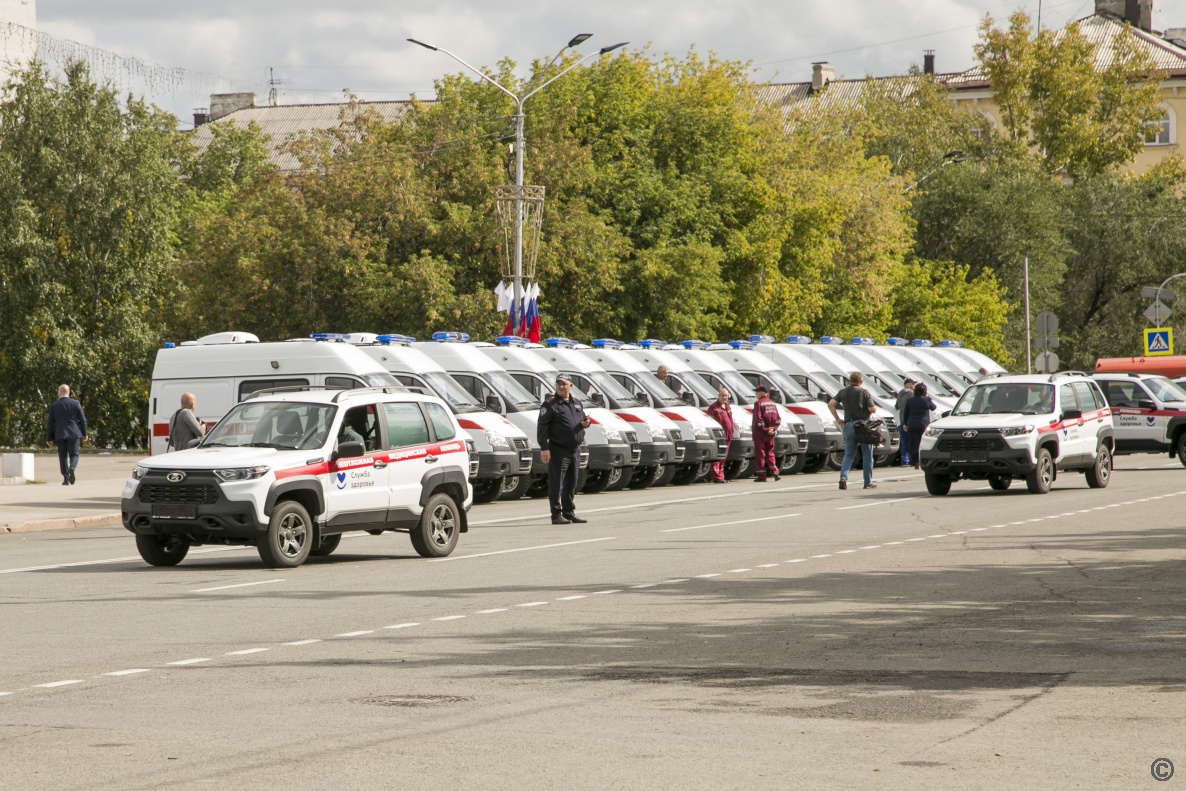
(674, 416)
(160, 429)
(799, 410)
(629, 418)
(468, 423)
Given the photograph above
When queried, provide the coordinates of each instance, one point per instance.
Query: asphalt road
(741, 636)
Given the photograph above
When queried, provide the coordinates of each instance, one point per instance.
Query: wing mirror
(822, 396)
(493, 404)
(597, 399)
(775, 395)
(1146, 404)
(1072, 414)
(193, 443)
(349, 450)
(945, 414)
(689, 397)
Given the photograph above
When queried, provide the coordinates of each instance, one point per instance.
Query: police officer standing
(561, 429)
(766, 421)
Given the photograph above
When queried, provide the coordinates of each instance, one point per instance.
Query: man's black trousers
(563, 468)
(68, 456)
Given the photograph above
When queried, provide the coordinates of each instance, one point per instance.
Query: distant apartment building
(18, 39)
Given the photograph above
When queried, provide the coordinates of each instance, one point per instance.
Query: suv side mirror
(1146, 404)
(1072, 414)
(349, 450)
(597, 399)
(193, 443)
(945, 414)
(493, 404)
(689, 397)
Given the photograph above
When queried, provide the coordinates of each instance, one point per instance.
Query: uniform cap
(760, 389)
(563, 378)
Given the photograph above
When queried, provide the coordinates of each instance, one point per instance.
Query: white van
(890, 370)
(222, 370)
(503, 448)
(941, 383)
(493, 387)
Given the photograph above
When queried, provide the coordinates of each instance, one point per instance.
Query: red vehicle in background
(1170, 366)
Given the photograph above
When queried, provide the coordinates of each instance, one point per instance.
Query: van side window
(343, 383)
(530, 384)
(755, 380)
(405, 425)
(250, 386)
(361, 424)
(634, 388)
(442, 426)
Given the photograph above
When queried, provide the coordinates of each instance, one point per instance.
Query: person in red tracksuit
(766, 423)
(719, 411)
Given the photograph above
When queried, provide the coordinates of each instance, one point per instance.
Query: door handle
(379, 465)
(431, 460)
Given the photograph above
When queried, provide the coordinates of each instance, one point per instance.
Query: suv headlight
(241, 473)
(933, 431)
(611, 434)
(701, 431)
(497, 440)
(139, 472)
(1017, 431)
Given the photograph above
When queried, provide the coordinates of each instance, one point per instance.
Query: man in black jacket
(67, 427)
(561, 429)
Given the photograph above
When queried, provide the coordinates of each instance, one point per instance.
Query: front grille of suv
(635, 446)
(524, 450)
(953, 444)
(158, 493)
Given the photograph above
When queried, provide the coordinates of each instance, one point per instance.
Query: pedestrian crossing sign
(1159, 342)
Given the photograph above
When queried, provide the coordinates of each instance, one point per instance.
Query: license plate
(970, 458)
(172, 511)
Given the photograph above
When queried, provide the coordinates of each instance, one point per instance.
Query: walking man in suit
(66, 427)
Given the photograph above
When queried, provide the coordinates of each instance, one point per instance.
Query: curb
(42, 525)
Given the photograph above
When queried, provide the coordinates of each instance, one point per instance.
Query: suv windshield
(454, 394)
(509, 389)
(1166, 391)
(1006, 398)
(282, 425)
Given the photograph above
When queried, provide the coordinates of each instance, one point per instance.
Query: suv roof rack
(1057, 374)
(994, 375)
(274, 390)
(389, 389)
(352, 390)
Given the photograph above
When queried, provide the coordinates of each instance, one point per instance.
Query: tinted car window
(1066, 398)
(255, 385)
(442, 426)
(405, 425)
(342, 382)
(1086, 396)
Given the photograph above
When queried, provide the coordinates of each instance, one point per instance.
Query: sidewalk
(91, 502)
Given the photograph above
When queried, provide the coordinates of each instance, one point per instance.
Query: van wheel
(739, 468)
(797, 465)
(440, 524)
(937, 485)
(621, 478)
(515, 486)
(686, 474)
(642, 477)
(162, 550)
(999, 482)
(1038, 481)
(1180, 448)
(327, 546)
(814, 464)
(596, 482)
(289, 537)
(487, 490)
(667, 475)
(1100, 473)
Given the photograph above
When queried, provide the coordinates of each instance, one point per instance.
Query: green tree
(88, 211)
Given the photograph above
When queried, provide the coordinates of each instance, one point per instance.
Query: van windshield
(617, 394)
(281, 425)
(743, 389)
(791, 390)
(697, 385)
(995, 399)
(1166, 391)
(934, 385)
(454, 394)
(509, 389)
(659, 392)
(380, 379)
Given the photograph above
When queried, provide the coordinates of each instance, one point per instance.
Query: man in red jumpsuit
(719, 411)
(766, 423)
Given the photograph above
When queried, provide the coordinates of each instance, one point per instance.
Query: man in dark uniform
(67, 427)
(766, 421)
(560, 431)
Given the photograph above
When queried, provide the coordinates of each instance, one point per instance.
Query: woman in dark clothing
(917, 416)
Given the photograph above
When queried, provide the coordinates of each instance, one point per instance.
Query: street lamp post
(520, 121)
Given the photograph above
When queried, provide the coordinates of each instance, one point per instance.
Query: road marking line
(479, 612)
(940, 535)
(958, 532)
(449, 618)
(892, 543)
(127, 672)
(401, 626)
(189, 661)
(2, 694)
(845, 551)
(875, 546)
(531, 604)
(916, 539)
(571, 598)
(879, 502)
(767, 565)
(615, 590)
(303, 642)
(674, 581)
(738, 571)
(725, 524)
(246, 651)
(522, 549)
(821, 556)
(240, 585)
(706, 576)
(645, 585)
(59, 683)
(355, 634)
(978, 529)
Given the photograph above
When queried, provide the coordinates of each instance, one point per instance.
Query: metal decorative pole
(1029, 366)
(516, 306)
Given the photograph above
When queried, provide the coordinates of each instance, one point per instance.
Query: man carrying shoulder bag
(184, 426)
(859, 407)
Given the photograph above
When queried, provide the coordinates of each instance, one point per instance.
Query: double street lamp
(519, 145)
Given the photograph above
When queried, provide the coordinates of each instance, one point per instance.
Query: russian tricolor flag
(529, 326)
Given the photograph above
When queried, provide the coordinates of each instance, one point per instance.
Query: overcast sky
(327, 46)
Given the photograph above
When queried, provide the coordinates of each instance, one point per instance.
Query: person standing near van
(904, 395)
(184, 426)
(66, 427)
(719, 411)
(917, 416)
(766, 421)
(561, 429)
(858, 404)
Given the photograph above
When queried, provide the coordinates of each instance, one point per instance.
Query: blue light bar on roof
(761, 339)
(331, 336)
(560, 343)
(389, 339)
(452, 337)
(831, 340)
(861, 341)
(607, 343)
(896, 342)
(650, 343)
(510, 340)
(951, 344)
(170, 345)
(921, 342)
(745, 344)
(800, 339)
(694, 344)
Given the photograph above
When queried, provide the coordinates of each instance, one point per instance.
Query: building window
(1157, 133)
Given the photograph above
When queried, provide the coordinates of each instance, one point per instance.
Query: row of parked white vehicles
(316, 437)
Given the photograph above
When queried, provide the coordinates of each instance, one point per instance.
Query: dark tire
(686, 474)
(289, 537)
(328, 545)
(1180, 448)
(515, 487)
(621, 479)
(937, 485)
(835, 460)
(999, 482)
(487, 490)
(1038, 481)
(642, 477)
(1100, 473)
(440, 525)
(814, 464)
(162, 550)
(596, 482)
(739, 468)
(797, 463)
(665, 477)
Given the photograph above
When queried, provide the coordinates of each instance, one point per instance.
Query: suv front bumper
(214, 516)
(1014, 462)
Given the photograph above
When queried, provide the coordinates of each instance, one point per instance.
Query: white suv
(1028, 427)
(1149, 411)
(290, 472)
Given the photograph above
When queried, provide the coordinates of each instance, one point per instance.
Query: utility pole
(1029, 364)
(520, 122)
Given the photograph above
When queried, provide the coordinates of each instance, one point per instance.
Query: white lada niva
(1021, 427)
(289, 473)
